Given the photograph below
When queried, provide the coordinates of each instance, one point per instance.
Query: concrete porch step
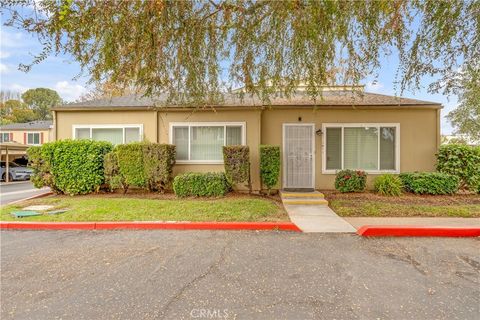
(303, 198)
(305, 201)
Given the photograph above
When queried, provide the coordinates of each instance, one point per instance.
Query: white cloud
(374, 86)
(69, 91)
(4, 54)
(3, 68)
(12, 39)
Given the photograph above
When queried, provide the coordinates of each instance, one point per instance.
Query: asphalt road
(14, 191)
(235, 275)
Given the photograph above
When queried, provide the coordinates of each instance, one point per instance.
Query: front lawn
(368, 204)
(139, 208)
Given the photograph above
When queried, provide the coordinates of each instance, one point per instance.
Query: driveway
(235, 275)
(15, 191)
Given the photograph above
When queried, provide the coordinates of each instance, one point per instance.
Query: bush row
(141, 165)
(435, 183)
(461, 161)
(210, 184)
(69, 166)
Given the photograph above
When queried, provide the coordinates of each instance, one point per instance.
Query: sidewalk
(310, 212)
(357, 222)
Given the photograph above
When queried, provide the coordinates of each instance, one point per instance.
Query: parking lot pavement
(18, 190)
(236, 275)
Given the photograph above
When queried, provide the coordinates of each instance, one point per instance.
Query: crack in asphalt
(213, 267)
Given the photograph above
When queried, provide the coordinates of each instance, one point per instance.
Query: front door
(298, 156)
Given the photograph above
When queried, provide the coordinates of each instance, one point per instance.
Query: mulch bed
(406, 198)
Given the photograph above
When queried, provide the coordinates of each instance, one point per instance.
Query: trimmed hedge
(388, 185)
(236, 160)
(351, 181)
(158, 161)
(130, 162)
(143, 165)
(462, 161)
(210, 184)
(69, 166)
(435, 183)
(269, 165)
(112, 172)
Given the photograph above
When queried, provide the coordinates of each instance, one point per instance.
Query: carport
(9, 150)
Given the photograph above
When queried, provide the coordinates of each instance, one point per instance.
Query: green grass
(130, 209)
(355, 208)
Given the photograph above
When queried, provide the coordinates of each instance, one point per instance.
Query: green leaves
(351, 181)
(461, 161)
(195, 50)
(435, 183)
(210, 184)
(388, 185)
(69, 166)
(236, 160)
(269, 165)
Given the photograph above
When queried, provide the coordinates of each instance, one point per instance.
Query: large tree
(41, 100)
(194, 50)
(13, 111)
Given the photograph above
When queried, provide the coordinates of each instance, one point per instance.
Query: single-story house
(372, 132)
(32, 133)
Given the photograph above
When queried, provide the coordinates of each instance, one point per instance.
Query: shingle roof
(329, 98)
(32, 125)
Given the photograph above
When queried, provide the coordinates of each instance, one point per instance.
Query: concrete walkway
(358, 222)
(310, 212)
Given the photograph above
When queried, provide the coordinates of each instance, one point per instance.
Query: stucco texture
(419, 130)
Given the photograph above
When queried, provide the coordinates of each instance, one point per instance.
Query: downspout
(438, 128)
(156, 127)
(54, 131)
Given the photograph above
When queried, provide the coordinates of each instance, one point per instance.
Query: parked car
(16, 172)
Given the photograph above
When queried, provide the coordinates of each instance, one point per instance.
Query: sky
(61, 73)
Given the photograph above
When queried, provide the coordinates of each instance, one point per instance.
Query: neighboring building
(372, 132)
(32, 133)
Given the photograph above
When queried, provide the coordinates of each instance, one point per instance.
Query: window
(4, 137)
(33, 138)
(203, 142)
(369, 147)
(115, 134)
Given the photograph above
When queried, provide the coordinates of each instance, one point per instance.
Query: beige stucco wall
(65, 120)
(252, 125)
(18, 135)
(419, 131)
(419, 134)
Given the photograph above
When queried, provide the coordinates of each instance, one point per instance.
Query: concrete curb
(417, 231)
(149, 225)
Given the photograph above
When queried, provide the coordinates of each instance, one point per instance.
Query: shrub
(462, 161)
(158, 161)
(236, 160)
(211, 184)
(130, 162)
(388, 185)
(112, 172)
(351, 181)
(69, 166)
(430, 183)
(269, 165)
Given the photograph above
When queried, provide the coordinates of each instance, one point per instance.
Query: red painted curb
(150, 225)
(417, 231)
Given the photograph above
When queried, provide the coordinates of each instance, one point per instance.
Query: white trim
(7, 133)
(39, 138)
(347, 125)
(108, 126)
(284, 165)
(189, 125)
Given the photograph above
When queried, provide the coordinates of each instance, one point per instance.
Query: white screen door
(298, 150)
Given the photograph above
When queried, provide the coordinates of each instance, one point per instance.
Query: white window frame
(360, 125)
(108, 126)
(205, 124)
(39, 138)
(3, 136)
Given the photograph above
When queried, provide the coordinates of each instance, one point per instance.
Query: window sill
(333, 172)
(199, 162)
